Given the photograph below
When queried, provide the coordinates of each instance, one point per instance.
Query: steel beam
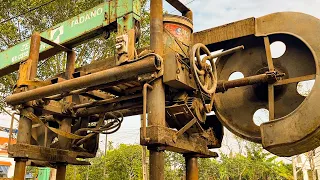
(213, 38)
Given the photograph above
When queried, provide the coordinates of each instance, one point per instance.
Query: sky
(208, 14)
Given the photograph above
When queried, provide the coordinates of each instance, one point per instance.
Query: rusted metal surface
(156, 103)
(215, 38)
(156, 164)
(25, 124)
(103, 77)
(144, 115)
(192, 170)
(270, 86)
(121, 105)
(19, 170)
(25, 151)
(106, 101)
(163, 137)
(65, 124)
(176, 73)
(77, 105)
(177, 34)
(253, 61)
(251, 80)
(291, 134)
(61, 172)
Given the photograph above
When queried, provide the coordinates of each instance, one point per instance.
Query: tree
(124, 162)
(174, 168)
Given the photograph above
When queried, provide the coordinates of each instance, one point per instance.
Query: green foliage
(124, 163)
(121, 163)
(174, 166)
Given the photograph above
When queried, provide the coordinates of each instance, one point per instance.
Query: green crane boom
(77, 30)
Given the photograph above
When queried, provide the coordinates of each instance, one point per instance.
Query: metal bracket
(184, 129)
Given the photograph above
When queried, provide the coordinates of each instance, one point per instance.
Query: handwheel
(205, 74)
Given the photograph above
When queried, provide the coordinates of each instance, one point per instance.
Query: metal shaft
(261, 78)
(156, 97)
(25, 124)
(110, 75)
(192, 171)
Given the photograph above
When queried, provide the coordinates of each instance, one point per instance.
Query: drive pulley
(293, 125)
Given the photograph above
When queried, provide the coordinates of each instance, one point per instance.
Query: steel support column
(65, 143)
(28, 71)
(156, 97)
(61, 172)
(192, 171)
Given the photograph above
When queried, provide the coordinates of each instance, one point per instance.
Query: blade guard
(299, 131)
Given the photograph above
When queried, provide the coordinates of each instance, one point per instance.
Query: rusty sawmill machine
(176, 82)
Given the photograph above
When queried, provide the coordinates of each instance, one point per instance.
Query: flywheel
(237, 106)
(294, 120)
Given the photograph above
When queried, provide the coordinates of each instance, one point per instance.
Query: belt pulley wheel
(236, 107)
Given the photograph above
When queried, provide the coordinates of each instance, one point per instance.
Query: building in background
(6, 164)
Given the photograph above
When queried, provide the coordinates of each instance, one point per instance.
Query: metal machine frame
(175, 88)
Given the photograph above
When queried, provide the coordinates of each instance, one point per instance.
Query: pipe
(61, 172)
(27, 71)
(19, 170)
(156, 97)
(11, 128)
(144, 109)
(227, 52)
(192, 170)
(107, 76)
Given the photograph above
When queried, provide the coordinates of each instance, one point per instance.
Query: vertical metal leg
(192, 171)
(156, 165)
(65, 125)
(156, 97)
(61, 172)
(20, 169)
(27, 71)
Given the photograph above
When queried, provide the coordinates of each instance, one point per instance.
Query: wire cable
(30, 10)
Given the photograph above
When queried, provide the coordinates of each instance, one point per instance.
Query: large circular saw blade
(236, 107)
